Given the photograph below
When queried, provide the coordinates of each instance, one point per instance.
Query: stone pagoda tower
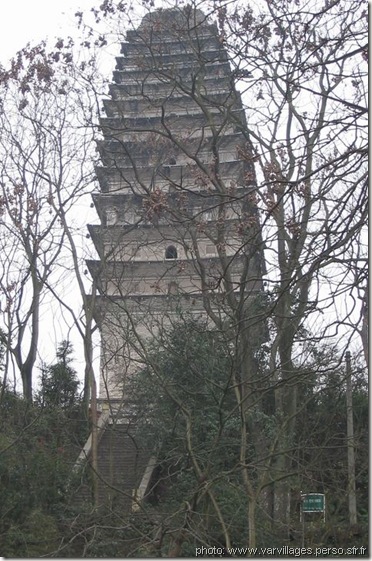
(179, 232)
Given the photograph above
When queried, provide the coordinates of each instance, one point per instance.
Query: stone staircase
(124, 468)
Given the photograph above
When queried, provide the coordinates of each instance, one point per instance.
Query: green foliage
(38, 446)
(321, 458)
(36, 537)
(189, 383)
(59, 383)
(186, 409)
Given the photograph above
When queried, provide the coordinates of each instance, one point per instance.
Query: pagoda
(178, 233)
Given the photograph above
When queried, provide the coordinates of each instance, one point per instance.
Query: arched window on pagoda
(171, 252)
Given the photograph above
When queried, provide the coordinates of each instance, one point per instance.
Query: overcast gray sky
(23, 21)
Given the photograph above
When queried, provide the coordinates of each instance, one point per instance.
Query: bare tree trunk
(364, 327)
(350, 444)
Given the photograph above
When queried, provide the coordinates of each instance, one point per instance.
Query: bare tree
(303, 75)
(46, 177)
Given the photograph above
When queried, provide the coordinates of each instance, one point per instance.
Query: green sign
(313, 502)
